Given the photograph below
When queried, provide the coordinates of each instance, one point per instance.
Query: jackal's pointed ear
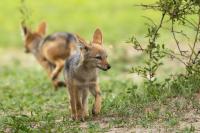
(24, 29)
(83, 42)
(97, 37)
(42, 28)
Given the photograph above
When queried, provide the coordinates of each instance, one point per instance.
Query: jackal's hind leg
(57, 70)
(55, 73)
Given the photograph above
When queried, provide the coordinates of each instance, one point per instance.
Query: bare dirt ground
(188, 121)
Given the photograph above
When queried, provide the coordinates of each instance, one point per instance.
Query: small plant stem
(196, 38)
(152, 44)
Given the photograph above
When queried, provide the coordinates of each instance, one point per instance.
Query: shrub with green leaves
(178, 14)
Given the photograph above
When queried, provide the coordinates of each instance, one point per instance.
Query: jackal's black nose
(26, 51)
(108, 67)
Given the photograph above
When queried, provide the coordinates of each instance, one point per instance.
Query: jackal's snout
(26, 50)
(104, 65)
(107, 67)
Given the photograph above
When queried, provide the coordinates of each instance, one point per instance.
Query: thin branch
(175, 57)
(196, 57)
(183, 34)
(174, 36)
(151, 20)
(196, 38)
(189, 22)
(150, 6)
(152, 42)
(159, 26)
(140, 48)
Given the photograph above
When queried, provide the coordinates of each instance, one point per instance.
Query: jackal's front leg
(95, 90)
(72, 94)
(85, 102)
(79, 104)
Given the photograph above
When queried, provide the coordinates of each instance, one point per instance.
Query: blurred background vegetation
(118, 19)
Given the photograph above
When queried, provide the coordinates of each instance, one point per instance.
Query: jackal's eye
(98, 57)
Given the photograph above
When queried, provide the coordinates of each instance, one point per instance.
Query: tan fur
(51, 55)
(81, 74)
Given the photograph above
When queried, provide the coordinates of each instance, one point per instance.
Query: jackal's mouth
(104, 69)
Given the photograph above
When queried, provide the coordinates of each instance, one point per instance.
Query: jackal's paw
(61, 84)
(78, 118)
(58, 84)
(95, 111)
(74, 117)
(80, 115)
(86, 115)
(81, 118)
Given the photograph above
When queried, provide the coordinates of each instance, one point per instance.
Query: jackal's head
(32, 38)
(94, 53)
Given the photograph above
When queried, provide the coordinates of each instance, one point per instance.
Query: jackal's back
(58, 46)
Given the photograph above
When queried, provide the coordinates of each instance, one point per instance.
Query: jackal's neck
(88, 67)
(85, 63)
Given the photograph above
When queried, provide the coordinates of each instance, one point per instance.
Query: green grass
(30, 104)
